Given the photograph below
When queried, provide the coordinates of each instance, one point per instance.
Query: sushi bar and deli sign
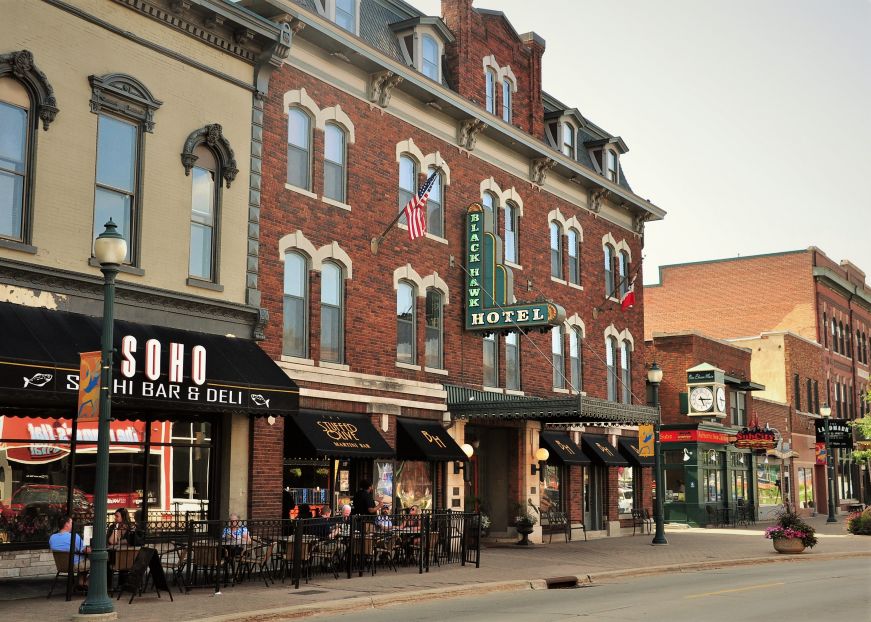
(144, 372)
(490, 302)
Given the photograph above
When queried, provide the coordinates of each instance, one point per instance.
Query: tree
(863, 424)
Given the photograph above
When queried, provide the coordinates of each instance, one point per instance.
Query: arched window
(576, 358)
(406, 318)
(510, 232)
(834, 335)
(848, 340)
(623, 267)
(295, 334)
(556, 250)
(203, 203)
(626, 370)
(558, 357)
(841, 346)
(825, 331)
(407, 182)
(568, 142)
(491, 361)
(490, 97)
(115, 195)
(512, 361)
(335, 175)
(16, 129)
(26, 97)
(434, 357)
(574, 248)
(490, 205)
(506, 100)
(435, 216)
(332, 297)
(345, 14)
(299, 151)
(430, 58)
(611, 361)
(609, 270)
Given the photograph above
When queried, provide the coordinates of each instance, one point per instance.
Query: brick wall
(265, 475)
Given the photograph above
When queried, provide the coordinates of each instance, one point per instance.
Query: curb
(359, 603)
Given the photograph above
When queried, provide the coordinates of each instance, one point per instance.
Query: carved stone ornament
(596, 199)
(260, 325)
(381, 85)
(211, 135)
(124, 95)
(467, 133)
(638, 221)
(538, 169)
(21, 66)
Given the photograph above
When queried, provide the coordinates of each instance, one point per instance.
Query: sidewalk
(502, 568)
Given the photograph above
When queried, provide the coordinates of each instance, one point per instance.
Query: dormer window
(430, 58)
(568, 140)
(343, 12)
(506, 100)
(612, 169)
(491, 92)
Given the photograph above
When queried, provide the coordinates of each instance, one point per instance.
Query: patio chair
(257, 556)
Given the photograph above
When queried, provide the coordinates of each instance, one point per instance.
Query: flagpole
(375, 242)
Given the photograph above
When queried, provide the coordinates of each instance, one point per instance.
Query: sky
(748, 121)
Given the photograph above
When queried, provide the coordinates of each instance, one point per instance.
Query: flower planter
(524, 530)
(788, 546)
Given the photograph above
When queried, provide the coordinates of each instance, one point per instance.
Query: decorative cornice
(596, 197)
(638, 221)
(467, 133)
(538, 169)
(212, 135)
(381, 85)
(20, 64)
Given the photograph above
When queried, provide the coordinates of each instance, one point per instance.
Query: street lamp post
(110, 249)
(654, 377)
(826, 412)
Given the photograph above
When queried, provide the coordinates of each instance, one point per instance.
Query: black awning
(421, 439)
(562, 448)
(39, 366)
(628, 447)
(315, 434)
(601, 451)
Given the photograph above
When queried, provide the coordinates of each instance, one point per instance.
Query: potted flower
(791, 534)
(485, 525)
(524, 523)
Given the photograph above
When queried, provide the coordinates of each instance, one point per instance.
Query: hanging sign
(645, 439)
(755, 438)
(821, 453)
(89, 386)
(840, 433)
(490, 284)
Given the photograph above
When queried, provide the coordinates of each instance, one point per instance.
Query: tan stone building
(147, 113)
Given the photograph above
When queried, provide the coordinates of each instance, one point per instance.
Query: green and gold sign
(490, 284)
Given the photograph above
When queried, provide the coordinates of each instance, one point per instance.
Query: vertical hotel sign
(89, 386)
(490, 284)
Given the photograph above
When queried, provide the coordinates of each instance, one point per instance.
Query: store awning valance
(163, 368)
(601, 451)
(562, 448)
(421, 439)
(628, 447)
(316, 434)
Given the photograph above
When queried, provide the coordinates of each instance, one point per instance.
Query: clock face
(701, 399)
(721, 399)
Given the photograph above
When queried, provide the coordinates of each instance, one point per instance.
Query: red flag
(628, 299)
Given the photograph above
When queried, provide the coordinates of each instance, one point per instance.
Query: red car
(47, 499)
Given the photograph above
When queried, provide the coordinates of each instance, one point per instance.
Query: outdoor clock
(721, 399)
(701, 399)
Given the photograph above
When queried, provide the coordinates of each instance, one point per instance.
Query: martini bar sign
(490, 284)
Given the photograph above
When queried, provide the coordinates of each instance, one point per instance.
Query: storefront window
(844, 472)
(739, 485)
(413, 485)
(675, 486)
(713, 484)
(190, 463)
(625, 490)
(768, 484)
(805, 486)
(307, 482)
(551, 488)
(383, 483)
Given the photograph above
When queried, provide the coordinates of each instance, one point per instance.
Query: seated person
(343, 527)
(383, 522)
(412, 521)
(122, 531)
(323, 527)
(235, 535)
(61, 542)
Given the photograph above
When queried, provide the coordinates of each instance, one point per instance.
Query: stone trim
(21, 67)
(213, 137)
(124, 95)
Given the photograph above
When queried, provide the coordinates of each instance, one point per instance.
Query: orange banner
(645, 439)
(89, 386)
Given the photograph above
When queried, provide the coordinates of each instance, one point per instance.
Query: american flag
(415, 210)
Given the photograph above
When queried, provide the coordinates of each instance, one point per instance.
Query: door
(595, 483)
(493, 475)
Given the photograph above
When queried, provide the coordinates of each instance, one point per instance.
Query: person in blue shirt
(60, 541)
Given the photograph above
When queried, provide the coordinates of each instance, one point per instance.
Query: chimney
(536, 45)
(457, 15)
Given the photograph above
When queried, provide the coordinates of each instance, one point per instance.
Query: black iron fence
(216, 554)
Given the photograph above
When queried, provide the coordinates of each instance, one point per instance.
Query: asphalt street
(801, 590)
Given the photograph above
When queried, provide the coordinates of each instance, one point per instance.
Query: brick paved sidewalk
(504, 563)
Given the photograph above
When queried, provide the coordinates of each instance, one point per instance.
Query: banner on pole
(645, 439)
(89, 386)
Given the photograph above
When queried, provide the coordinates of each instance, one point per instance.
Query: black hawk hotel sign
(490, 302)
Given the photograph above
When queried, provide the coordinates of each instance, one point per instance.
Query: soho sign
(153, 369)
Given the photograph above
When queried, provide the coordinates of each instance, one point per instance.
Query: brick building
(808, 321)
(373, 98)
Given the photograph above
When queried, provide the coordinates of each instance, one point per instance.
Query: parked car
(45, 499)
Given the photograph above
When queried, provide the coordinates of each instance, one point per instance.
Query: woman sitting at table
(412, 521)
(122, 531)
(383, 521)
(235, 535)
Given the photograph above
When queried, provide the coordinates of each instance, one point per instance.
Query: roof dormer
(344, 13)
(422, 41)
(605, 154)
